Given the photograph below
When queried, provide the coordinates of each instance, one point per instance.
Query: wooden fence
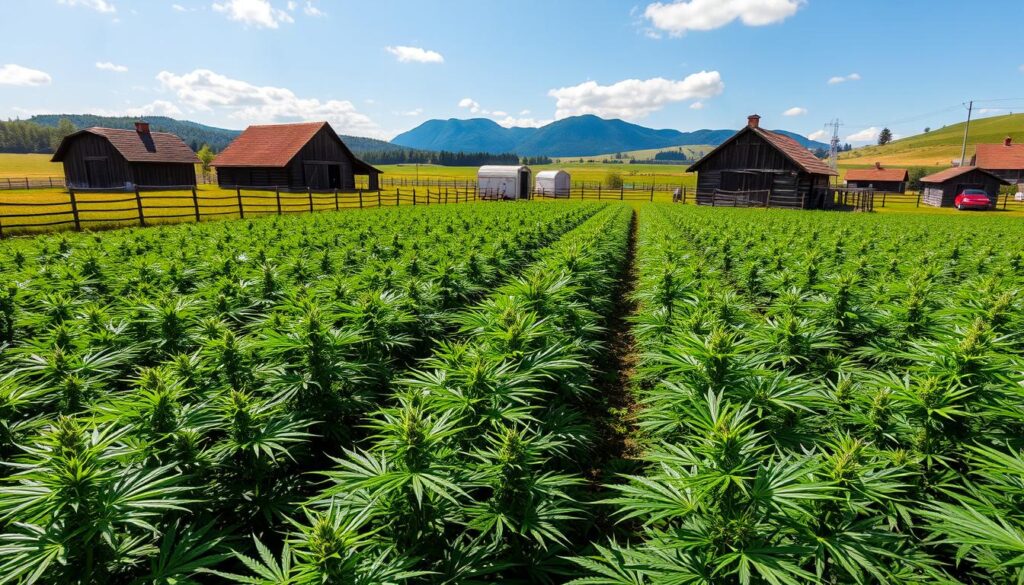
(81, 209)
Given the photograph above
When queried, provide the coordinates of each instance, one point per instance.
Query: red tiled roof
(999, 156)
(271, 145)
(876, 174)
(950, 173)
(155, 147)
(797, 153)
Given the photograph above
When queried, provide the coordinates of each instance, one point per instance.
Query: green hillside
(940, 146)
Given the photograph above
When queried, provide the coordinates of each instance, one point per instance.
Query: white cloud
(97, 5)
(292, 5)
(259, 13)
(524, 113)
(414, 54)
(984, 111)
(865, 135)
(499, 114)
(633, 99)
(683, 15)
(697, 106)
(108, 66)
(471, 105)
(206, 90)
(521, 122)
(310, 9)
(818, 135)
(410, 113)
(11, 74)
(843, 78)
(179, 8)
(156, 108)
(795, 111)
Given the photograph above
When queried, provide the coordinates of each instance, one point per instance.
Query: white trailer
(552, 184)
(503, 182)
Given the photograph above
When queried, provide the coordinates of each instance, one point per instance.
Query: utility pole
(967, 126)
(833, 150)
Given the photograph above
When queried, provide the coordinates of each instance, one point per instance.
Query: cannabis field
(527, 392)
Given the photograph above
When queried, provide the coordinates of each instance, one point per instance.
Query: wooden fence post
(883, 198)
(446, 195)
(684, 194)
(309, 191)
(714, 195)
(277, 195)
(768, 200)
(138, 203)
(398, 196)
(195, 202)
(241, 210)
(360, 198)
(918, 204)
(414, 196)
(378, 197)
(622, 192)
(599, 191)
(338, 207)
(74, 210)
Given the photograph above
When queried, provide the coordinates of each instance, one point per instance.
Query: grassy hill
(940, 146)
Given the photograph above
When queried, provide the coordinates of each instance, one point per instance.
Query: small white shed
(552, 184)
(503, 182)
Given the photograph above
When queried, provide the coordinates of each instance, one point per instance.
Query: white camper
(503, 182)
(552, 184)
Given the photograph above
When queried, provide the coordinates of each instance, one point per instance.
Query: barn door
(97, 172)
(334, 176)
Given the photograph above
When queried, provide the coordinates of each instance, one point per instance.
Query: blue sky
(380, 68)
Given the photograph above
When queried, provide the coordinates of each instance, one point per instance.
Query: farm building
(1005, 160)
(764, 165)
(108, 158)
(504, 182)
(291, 156)
(878, 178)
(552, 184)
(940, 189)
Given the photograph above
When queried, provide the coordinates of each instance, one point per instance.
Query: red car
(973, 199)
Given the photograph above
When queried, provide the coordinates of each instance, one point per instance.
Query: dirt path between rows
(618, 449)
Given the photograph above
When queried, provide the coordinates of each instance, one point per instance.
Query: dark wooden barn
(1004, 160)
(878, 178)
(108, 158)
(940, 189)
(764, 164)
(291, 156)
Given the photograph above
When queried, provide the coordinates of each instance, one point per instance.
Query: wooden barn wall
(323, 147)
(252, 177)
(90, 146)
(1012, 176)
(889, 186)
(749, 152)
(163, 174)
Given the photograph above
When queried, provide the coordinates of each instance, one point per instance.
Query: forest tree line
(22, 137)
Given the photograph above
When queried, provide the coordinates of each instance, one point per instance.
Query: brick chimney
(142, 127)
(878, 165)
(753, 121)
(1007, 141)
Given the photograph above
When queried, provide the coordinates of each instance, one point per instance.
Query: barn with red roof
(878, 178)
(291, 157)
(767, 166)
(109, 158)
(1005, 160)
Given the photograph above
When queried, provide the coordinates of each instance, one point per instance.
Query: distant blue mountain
(575, 136)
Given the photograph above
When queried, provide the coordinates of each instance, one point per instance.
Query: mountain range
(585, 135)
